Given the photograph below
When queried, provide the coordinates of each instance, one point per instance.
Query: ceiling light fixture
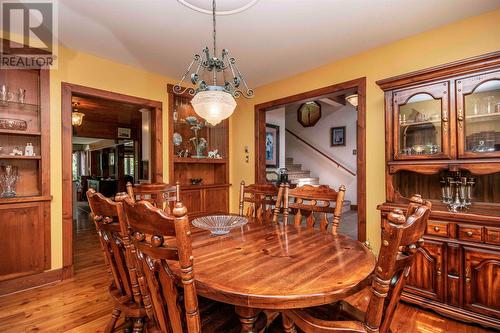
(214, 102)
(353, 100)
(76, 117)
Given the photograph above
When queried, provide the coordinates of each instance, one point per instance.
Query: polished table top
(279, 266)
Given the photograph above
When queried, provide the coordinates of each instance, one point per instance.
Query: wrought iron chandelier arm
(178, 87)
(238, 79)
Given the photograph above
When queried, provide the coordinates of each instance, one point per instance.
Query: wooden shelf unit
(26, 217)
(456, 271)
(212, 195)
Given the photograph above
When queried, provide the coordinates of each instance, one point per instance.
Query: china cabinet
(24, 175)
(198, 157)
(443, 142)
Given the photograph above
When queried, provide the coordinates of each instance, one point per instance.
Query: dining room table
(276, 267)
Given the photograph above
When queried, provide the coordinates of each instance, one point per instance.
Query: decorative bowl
(219, 224)
(13, 124)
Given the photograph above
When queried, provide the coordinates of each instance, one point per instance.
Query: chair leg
(128, 325)
(114, 318)
(288, 324)
(138, 325)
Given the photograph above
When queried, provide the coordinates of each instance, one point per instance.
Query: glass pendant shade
(76, 118)
(213, 105)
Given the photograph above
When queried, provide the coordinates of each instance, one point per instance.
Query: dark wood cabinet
(443, 124)
(426, 277)
(482, 281)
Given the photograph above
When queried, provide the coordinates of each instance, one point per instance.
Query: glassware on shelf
(490, 107)
(3, 93)
(8, 180)
(21, 95)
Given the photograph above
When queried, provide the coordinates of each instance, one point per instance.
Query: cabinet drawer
(437, 228)
(470, 232)
(492, 235)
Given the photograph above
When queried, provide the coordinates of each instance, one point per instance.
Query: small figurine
(214, 154)
(16, 152)
(28, 150)
(183, 153)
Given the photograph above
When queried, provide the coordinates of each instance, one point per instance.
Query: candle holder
(456, 192)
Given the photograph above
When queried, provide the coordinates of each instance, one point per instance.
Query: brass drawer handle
(469, 233)
(436, 229)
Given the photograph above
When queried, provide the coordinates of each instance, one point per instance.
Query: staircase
(303, 177)
(298, 176)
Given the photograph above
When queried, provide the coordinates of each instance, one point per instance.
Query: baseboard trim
(29, 282)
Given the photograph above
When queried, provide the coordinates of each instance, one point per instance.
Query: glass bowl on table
(219, 224)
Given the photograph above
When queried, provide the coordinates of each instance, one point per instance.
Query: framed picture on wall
(272, 146)
(337, 136)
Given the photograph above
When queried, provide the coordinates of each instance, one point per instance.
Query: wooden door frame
(156, 165)
(260, 132)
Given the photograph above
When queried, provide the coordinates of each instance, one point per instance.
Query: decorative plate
(219, 224)
(177, 138)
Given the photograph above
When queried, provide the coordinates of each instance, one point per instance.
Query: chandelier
(217, 81)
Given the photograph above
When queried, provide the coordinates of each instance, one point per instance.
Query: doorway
(118, 140)
(332, 95)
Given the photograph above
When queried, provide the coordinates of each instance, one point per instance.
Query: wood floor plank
(82, 305)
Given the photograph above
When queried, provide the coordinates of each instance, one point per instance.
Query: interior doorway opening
(118, 140)
(315, 142)
(321, 135)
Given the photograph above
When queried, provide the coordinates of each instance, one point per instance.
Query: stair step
(294, 167)
(299, 174)
(306, 181)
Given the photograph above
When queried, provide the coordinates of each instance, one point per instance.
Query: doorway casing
(260, 131)
(67, 92)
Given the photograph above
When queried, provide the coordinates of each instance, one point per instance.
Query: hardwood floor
(81, 304)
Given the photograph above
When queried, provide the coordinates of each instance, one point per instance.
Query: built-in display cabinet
(199, 157)
(24, 174)
(443, 142)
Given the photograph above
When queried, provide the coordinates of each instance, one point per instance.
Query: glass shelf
(18, 132)
(19, 106)
(11, 157)
(482, 118)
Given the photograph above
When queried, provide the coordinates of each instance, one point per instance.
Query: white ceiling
(272, 40)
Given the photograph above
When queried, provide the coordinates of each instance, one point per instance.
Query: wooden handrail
(339, 165)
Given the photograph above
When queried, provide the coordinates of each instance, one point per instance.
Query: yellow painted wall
(462, 39)
(87, 70)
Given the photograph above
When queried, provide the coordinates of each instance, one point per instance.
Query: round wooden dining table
(262, 266)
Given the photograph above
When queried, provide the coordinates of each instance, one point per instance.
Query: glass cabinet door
(421, 127)
(478, 115)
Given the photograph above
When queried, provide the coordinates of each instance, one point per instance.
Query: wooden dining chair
(160, 195)
(401, 239)
(161, 240)
(258, 200)
(308, 200)
(109, 219)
